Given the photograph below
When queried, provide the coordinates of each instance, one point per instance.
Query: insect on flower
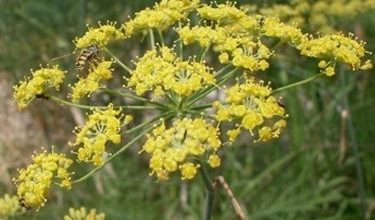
(22, 204)
(88, 56)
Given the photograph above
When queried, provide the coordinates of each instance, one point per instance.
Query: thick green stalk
(207, 215)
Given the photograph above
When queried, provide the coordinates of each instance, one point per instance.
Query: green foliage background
(296, 177)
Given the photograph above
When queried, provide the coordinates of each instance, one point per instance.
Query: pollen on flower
(34, 182)
(82, 213)
(251, 105)
(176, 147)
(100, 36)
(102, 126)
(9, 206)
(160, 17)
(161, 71)
(42, 80)
(86, 86)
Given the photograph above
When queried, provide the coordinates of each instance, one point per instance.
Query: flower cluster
(237, 37)
(89, 84)
(273, 27)
(42, 80)
(317, 15)
(180, 146)
(333, 48)
(102, 125)
(82, 214)
(8, 206)
(160, 17)
(252, 106)
(161, 71)
(100, 36)
(233, 37)
(34, 182)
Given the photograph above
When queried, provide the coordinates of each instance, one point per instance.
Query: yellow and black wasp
(88, 56)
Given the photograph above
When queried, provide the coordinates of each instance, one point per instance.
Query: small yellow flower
(42, 80)
(100, 36)
(102, 126)
(175, 148)
(188, 170)
(81, 214)
(161, 71)
(34, 182)
(251, 105)
(160, 17)
(233, 134)
(86, 86)
(9, 206)
(214, 160)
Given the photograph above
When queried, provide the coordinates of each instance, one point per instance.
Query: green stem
(200, 107)
(139, 107)
(143, 124)
(222, 71)
(152, 38)
(209, 192)
(64, 102)
(180, 43)
(209, 89)
(193, 112)
(118, 61)
(298, 83)
(205, 52)
(135, 97)
(161, 38)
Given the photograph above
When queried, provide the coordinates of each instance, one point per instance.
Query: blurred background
(321, 168)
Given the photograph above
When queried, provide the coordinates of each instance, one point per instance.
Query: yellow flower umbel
(233, 37)
(160, 17)
(86, 86)
(42, 80)
(161, 71)
(82, 214)
(103, 125)
(9, 206)
(252, 107)
(332, 48)
(228, 16)
(273, 27)
(179, 147)
(100, 36)
(34, 182)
